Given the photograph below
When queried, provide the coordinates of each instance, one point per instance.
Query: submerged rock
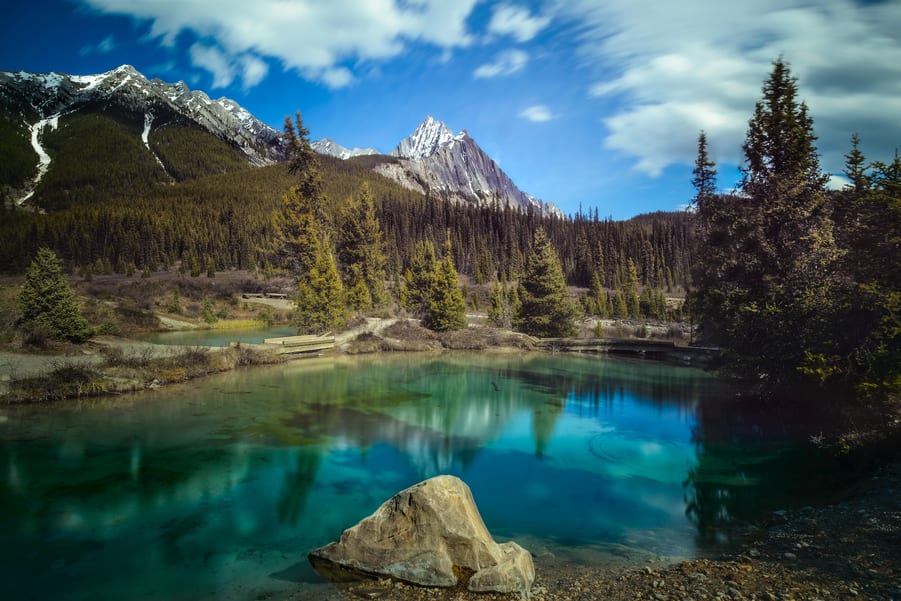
(430, 534)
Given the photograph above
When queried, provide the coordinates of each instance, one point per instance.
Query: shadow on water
(755, 457)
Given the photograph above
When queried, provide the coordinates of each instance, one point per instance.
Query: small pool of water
(218, 488)
(221, 337)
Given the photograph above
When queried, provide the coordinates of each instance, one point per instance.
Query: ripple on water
(633, 454)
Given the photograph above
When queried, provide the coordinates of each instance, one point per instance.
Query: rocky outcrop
(430, 534)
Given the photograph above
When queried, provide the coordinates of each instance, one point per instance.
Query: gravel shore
(850, 550)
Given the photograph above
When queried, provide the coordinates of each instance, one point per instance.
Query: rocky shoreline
(849, 550)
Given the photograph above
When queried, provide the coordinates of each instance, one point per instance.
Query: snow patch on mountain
(329, 147)
(145, 137)
(425, 141)
(43, 158)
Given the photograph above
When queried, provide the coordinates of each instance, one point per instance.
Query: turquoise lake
(218, 488)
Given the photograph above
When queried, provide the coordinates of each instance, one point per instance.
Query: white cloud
(253, 70)
(516, 22)
(538, 114)
(675, 68)
(507, 62)
(311, 36)
(214, 61)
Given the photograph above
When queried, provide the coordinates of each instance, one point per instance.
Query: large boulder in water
(430, 534)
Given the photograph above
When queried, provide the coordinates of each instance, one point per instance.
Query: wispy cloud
(104, 46)
(225, 69)
(315, 38)
(517, 22)
(671, 74)
(507, 62)
(537, 114)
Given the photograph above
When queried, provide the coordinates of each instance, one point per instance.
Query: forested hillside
(226, 219)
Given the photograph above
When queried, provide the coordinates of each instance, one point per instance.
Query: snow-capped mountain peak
(425, 140)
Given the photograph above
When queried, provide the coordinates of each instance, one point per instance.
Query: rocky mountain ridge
(331, 148)
(432, 160)
(33, 97)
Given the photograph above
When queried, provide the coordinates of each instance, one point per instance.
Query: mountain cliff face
(438, 163)
(425, 140)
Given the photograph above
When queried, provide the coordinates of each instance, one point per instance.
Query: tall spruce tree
(768, 300)
(297, 222)
(47, 301)
(302, 239)
(320, 304)
(361, 250)
(545, 309)
(418, 278)
(447, 308)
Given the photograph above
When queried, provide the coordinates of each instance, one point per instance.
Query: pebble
(789, 556)
(753, 553)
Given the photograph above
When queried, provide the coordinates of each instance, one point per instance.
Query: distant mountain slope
(173, 134)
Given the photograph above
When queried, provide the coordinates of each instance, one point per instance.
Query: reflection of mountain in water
(438, 419)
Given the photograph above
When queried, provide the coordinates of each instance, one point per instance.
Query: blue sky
(582, 102)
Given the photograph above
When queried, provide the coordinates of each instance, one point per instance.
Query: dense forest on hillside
(226, 219)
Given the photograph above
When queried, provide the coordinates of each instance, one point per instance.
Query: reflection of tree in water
(754, 458)
(544, 420)
(298, 482)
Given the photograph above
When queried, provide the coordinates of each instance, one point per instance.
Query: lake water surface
(217, 489)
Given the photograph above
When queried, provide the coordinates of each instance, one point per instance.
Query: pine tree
(320, 303)
(704, 180)
(545, 308)
(447, 308)
(631, 292)
(47, 301)
(418, 278)
(620, 310)
(767, 287)
(362, 251)
(500, 307)
(298, 220)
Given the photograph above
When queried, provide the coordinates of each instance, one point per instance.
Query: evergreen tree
(766, 292)
(545, 309)
(418, 278)
(206, 311)
(447, 308)
(298, 220)
(631, 292)
(362, 251)
(620, 310)
(47, 301)
(320, 303)
(500, 307)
